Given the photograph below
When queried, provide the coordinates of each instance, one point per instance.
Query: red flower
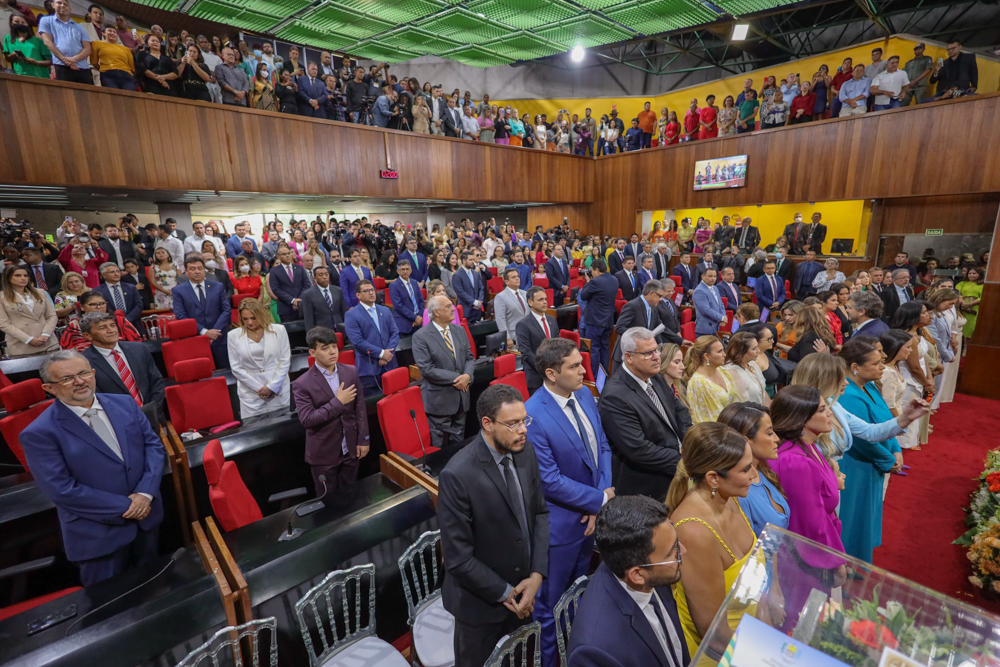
(995, 486)
(864, 632)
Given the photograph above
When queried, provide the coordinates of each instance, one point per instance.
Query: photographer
(357, 91)
(385, 108)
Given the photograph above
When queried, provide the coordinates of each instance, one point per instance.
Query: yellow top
(111, 56)
(707, 399)
(736, 610)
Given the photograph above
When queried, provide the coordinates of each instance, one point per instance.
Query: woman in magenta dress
(702, 235)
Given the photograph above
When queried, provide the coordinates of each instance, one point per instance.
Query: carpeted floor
(923, 512)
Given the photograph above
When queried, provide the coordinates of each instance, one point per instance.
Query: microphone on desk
(173, 559)
(419, 466)
(306, 507)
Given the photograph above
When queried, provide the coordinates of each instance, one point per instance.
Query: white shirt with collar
(204, 295)
(645, 602)
(643, 385)
(194, 242)
(541, 321)
(116, 244)
(107, 354)
(862, 326)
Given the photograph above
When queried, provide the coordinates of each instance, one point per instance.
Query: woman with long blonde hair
(672, 368)
(260, 356)
(708, 387)
(27, 315)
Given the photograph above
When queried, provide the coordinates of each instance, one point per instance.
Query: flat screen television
(720, 173)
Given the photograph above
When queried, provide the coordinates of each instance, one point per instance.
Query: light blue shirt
(68, 37)
(903, 296)
(789, 93)
(333, 379)
(852, 88)
(382, 111)
(853, 426)
(649, 310)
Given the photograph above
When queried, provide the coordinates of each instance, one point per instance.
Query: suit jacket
(419, 265)
(708, 310)
(599, 294)
(133, 302)
(51, 272)
(817, 234)
(573, 481)
(311, 91)
(615, 262)
(451, 122)
(215, 312)
(19, 324)
(805, 272)
(145, 292)
(468, 291)
(368, 341)
(529, 336)
(439, 104)
(661, 265)
(731, 291)
(724, 236)
(349, 281)
(509, 311)
(404, 309)
(634, 315)
(558, 274)
(875, 328)
(643, 277)
(628, 284)
(646, 448)
(736, 264)
(610, 629)
(671, 320)
(439, 368)
(689, 280)
(128, 250)
(633, 250)
(795, 246)
(222, 276)
(524, 271)
(747, 243)
(785, 269)
(484, 548)
(234, 245)
(702, 267)
(890, 297)
(147, 376)
(88, 484)
(286, 290)
(762, 289)
(328, 421)
(316, 311)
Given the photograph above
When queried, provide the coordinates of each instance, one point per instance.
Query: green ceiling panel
(345, 21)
(373, 49)
(475, 56)
(524, 13)
(396, 11)
(524, 45)
(586, 30)
(464, 26)
(419, 41)
(165, 5)
(650, 17)
(299, 32)
(598, 4)
(230, 14)
(744, 7)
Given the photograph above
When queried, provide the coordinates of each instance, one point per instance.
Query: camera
(10, 229)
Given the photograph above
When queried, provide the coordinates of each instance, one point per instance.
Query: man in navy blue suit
(122, 296)
(350, 275)
(234, 246)
(688, 278)
(97, 459)
(616, 258)
(373, 333)
(418, 263)
(311, 95)
(574, 460)
(628, 617)
(599, 315)
(633, 248)
(646, 271)
(627, 281)
(523, 270)
(770, 289)
(407, 301)
(205, 302)
(729, 290)
(469, 287)
(557, 271)
(288, 281)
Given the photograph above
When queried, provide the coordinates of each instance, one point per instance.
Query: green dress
(975, 291)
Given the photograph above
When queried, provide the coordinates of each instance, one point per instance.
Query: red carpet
(923, 512)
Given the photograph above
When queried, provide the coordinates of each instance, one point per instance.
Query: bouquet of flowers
(983, 535)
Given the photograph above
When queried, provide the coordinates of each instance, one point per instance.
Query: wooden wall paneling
(549, 216)
(957, 214)
(979, 372)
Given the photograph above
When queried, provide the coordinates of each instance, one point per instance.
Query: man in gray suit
(510, 305)
(442, 353)
(323, 304)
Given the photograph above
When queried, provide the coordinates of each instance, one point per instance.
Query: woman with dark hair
(843, 292)
(971, 290)
(94, 302)
(921, 367)
(217, 45)
(451, 266)
(387, 266)
(766, 335)
(765, 503)
(194, 76)
(262, 93)
(155, 69)
(741, 364)
(829, 302)
(286, 90)
(26, 52)
(27, 315)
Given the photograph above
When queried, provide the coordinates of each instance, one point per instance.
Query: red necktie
(127, 377)
(545, 325)
(520, 302)
(40, 279)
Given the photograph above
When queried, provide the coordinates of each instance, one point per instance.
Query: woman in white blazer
(27, 315)
(259, 355)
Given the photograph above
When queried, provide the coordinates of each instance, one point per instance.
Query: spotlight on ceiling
(740, 32)
(577, 54)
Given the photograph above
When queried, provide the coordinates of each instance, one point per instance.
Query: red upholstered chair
(394, 415)
(237, 298)
(494, 285)
(550, 294)
(687, 331)
(570, 335)
(472, 342)
(423, 293)
(540, 281)
(19, 571)
(687, 315)
(725, 302)
(619, 296)
(378, 282)
(574, 272)
(387, 296)
(577, 283)
(495, 271)
(729, 321)
(24, 402)
(577, 263)
(184, 344)
(503, 365)
(232, 504)
(753, 297)
(788, 289)
(589, 375)
(677, 281)
(346, 357)
(340, 341)
(461, 315)
(619, 305)
(4, 383)
(198, 400)
(517, 380)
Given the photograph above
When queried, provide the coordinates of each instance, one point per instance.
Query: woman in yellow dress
(717, 468)
(708, 388)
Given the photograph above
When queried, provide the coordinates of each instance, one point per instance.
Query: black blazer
(140, 362)
(529, 336)
(625, 285)
(751, 241)
(891, 300)
(803, 347)
(146, 292)
(634, 315)
(52, 274)
(127, 248)
(646, 449)
(615, 262)
(133, 302)
(316, 311)
(671, 319)
(481, 538)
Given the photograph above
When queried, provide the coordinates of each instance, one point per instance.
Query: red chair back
(495, 271)
(687, 331)
(725, 302)
(619, 296)
(551, 296)
(388, 297)
(378, 282)
(540, 281)
(397, 425)
(24, 402)
(494, 285)
(346, 357)
(461, 315)
(577, 283)
(232, 503)
(570, 335)
(237, 299)
(395, 380)
(21, 607)
(577, 263)
(472, 343)
(503, 365)
(677, 280)
(574, 273)
(687, 315)
(619, 305)
(517, 380)
(185, 344)
(229, 263)
(729, 321)
(589, 375)
(198, 400)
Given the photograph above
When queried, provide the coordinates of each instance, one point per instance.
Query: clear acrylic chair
(433, 626)
(357, 645)
(565, 611)
(231, 638)
(513, 650)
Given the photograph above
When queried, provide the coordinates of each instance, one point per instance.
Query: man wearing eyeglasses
(97, 459)
(494, 528)
(628, 616)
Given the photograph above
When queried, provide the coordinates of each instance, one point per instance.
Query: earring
(714, 489)
(855, 372)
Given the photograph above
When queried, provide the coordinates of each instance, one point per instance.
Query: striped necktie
(127, 377)
(447, 341)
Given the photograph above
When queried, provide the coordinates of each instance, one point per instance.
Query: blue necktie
(119, 301)
(583, 433)
(329, 301)
(631, 279)
(374, 315)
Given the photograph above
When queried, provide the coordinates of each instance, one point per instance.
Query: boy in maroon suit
(331, 406)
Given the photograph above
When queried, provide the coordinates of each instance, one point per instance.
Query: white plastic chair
(433, 626)
(230, 638)
(565, 611)
(512, 650)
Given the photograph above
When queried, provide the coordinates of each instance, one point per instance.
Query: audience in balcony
(958, 75)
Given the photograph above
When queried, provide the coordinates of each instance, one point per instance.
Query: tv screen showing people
(723, 172)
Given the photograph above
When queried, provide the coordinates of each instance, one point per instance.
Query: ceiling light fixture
(577, 53)
(740, 31)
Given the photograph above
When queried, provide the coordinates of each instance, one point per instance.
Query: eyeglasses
(71, 379)
(676, 550)
(525, 423)
(652, 354)
(367, 290)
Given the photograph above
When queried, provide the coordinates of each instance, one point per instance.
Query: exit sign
(933, 232)
(389, 173)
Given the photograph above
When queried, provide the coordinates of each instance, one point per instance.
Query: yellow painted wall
(843, 219)
(680, 99)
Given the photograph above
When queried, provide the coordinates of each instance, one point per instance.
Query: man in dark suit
(134, 275)
(311, 94)
(865, 310)
(97, 459)
(628, 616)
(117, 248)
(252, 256)
(688, 278)
(747, 236)
(770, 289)
(661, 262)
(288, 281)
(350, 275)
(575, 464)
(407, 301)
(557, 271)
(418, 263)
(442, 352)
(633, 248)
(531, 331)
(896, 294)
(795, 234)
(205, 302)
(816, 235)
(372, 331)
(670, 316)
(877, 276)
(805, 273)
(220, 274)
(44, 275)
(616, 259)
(784, 268)
(642, 311)
(494, 528)
(599, 295)
(121, 295)
(451, 120)
(331, 406)
(323, 304)
(627, 281)
(645, 431)
(729, 289)
(645, 272)
(120, 367)
(707, 262)
(468, 285)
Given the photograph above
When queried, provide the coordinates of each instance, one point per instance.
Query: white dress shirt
(107, 354)
(543, 323)
(591, 437)
(116, 244)
(645, 602)
(194, 243)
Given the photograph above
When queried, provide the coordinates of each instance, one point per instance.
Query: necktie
(102, 432)
(116, 291)
(288, 268)
(774, 290)
(796, 238)
(374, 314)
(409, 290)
(591, 447)
(329, 301)
(632, 280)
(674, 659)
(447, 341)
(520, 302)
(360, 274)
(40, 279)
(656, 402)
(127, 377)
(545, 327)
(513, 495)
(201, 293)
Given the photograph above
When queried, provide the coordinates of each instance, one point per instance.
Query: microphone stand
(422, 467)
(302, 509)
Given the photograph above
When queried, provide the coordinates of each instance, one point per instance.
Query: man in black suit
(683, 269)
(784, 268)
(816, 235)
(670, 316)
(494, 528)
(44, 275)
(661, 262)
(747, 236)
(896, 294)
(534, 328)
(707, 263)
(135, 275)
(557, 271)
(288, 281)
(628, 283)
(645, 431)
(877, 274)
(121, 295)
(323, 304)
(642, 311)
(616, 260)
(219, 273)
(117, 248)
(597, 298)
(451, 122)
(795, 234)
(120, 367)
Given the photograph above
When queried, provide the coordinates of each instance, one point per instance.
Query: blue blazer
(419, 266)
(874, 328)
(468, 291)
(234, 246)
(708, 309)
(689, 279)
(404, 309)
(215, 313)
(628, 283)
(88, 484)
(642, 278)
(317, 91)
(572, 481)
(349, 281)
(523, 270)
(133, 302)
(368, 341)
(599, 294)
(558, 273)
(285, 290)
(762, 288)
